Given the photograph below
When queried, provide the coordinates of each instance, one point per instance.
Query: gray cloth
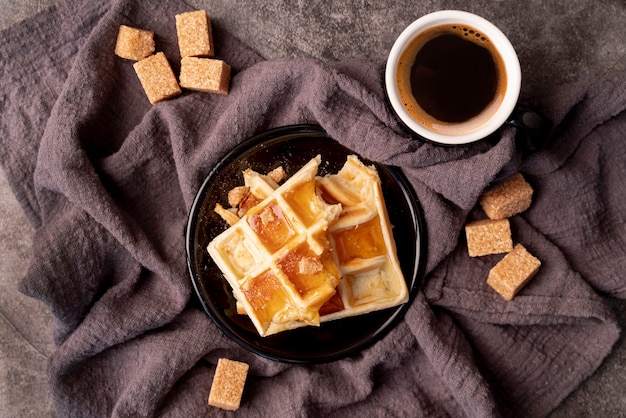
(107, 180)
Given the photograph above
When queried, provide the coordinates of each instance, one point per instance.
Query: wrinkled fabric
(107, 180)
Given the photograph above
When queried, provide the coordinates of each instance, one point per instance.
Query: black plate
(292, 147)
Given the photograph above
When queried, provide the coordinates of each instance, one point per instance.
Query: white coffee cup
(487, 121)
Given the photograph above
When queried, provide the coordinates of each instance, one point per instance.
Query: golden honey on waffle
(311, 250)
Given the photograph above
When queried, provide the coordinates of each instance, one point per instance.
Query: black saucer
(292, 147)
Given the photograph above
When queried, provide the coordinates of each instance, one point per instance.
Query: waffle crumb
(310, 265)
(236, 195)
(228, 382)
(513, 272)
(229, 215)
(278, 174)
(194, 34)
(205, 74)
(134, 44)
(510, 198)
(157, 78)
(488, 236)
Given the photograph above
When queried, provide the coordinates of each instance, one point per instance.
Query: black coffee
(453, 79)
(449, 75)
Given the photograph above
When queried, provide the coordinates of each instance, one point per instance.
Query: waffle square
(277, 258)
(363, 244)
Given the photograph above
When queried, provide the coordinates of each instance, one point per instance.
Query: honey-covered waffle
(363, 244)
(311, 250)
(277, 257)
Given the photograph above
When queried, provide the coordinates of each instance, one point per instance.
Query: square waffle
(277, 257)
(313, 249)
(363, 244)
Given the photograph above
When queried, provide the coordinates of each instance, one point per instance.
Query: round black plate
(292, 147)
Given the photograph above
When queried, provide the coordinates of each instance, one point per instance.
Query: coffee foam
(403, 79)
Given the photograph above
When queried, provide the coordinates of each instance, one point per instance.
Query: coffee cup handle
(533, 128)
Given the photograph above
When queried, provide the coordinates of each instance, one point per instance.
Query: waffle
(363, 244)
(313, 249)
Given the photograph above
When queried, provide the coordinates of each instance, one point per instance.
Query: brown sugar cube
(194, 34)
(228, 382)
(488, 237)
(157, 78)
(205, 74)
(512, 273)
(134, 44)
(510, 198)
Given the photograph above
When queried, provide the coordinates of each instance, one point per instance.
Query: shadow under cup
(453, 77)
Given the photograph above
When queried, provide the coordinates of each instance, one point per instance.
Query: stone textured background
(557, 41)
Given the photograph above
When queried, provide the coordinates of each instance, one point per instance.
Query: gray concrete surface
(557, 41)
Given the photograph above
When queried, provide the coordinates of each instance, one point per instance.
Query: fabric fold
(107, 180)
